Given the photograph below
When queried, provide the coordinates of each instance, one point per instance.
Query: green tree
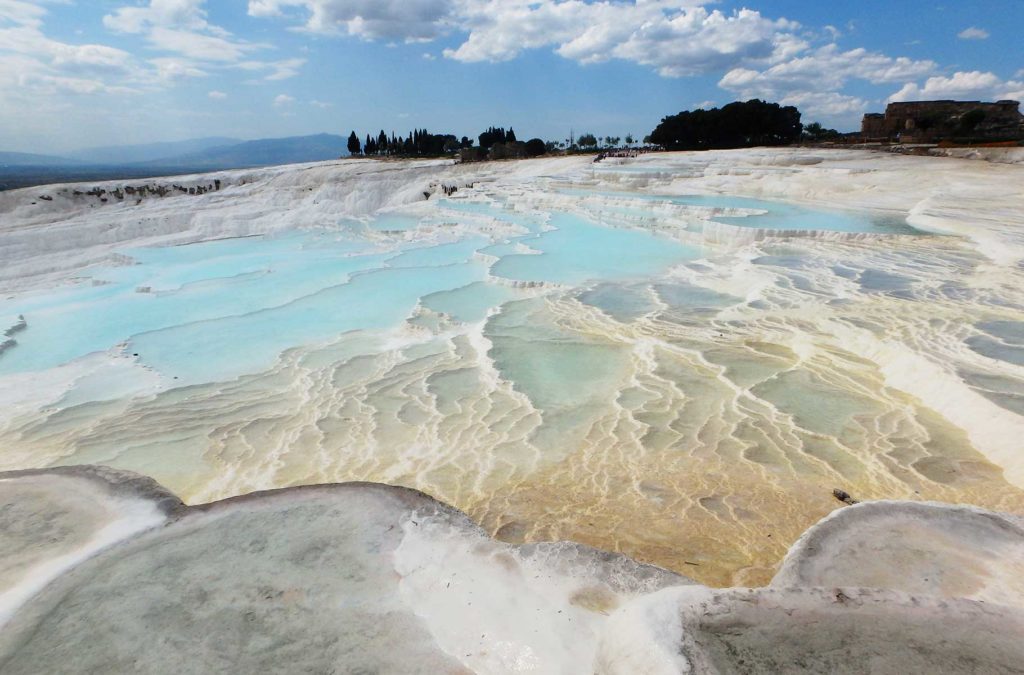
(815, 132)
(736, 125)
(535, 147)
(587, 140)
(354, 147)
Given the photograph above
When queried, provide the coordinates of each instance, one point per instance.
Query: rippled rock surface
(362, 577)
(705, 343)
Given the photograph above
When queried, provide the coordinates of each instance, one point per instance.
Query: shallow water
(561, 363)
(763, 213)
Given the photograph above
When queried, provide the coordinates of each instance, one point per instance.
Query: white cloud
(283, 70)
(199, 46)
(321, 104)
(427, 56)
(974, 84)
(181, 28)
(408, 20)
(283, 100)
(273, 71)
(217, 95)
(22, 13)
(33, 65)
(761, 56)
(676, 37)
(813, 81)
(973, 33)
(827, 68)
(173, 68)
(181, 13)
(828, 105)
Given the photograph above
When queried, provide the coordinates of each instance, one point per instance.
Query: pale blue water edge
(778, 215)
(215, 310)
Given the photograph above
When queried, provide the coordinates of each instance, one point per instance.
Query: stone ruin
(935, 121)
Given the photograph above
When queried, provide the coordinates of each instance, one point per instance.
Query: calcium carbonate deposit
(676, 357)
(111, 573)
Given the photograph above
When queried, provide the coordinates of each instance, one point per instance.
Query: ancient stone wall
(933, 121)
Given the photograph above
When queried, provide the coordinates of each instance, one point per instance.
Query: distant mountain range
(265, 152)
(198, 154)
(22, 169)
(133, 154)
(29, 159)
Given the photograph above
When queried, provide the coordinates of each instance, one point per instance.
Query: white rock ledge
(105, 571)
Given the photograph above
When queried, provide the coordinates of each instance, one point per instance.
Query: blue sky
(79, 74)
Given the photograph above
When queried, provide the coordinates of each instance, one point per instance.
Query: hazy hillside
(18, 169)
(264, 152)
(148, 152)
(30, 159)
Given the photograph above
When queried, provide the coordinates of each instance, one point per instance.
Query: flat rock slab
(103, 571)
(813, 631)
(51, 520)
(930, 549)
(350, 578)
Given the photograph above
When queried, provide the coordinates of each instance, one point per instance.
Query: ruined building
(934, 121)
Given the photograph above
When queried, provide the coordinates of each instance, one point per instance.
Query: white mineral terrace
(368, 578)
(676, 357)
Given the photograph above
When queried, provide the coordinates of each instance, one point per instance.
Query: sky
(76, 74)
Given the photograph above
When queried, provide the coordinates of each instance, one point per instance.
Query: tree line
(736, 125)
(741, 124)
(418, 143)
(494, 143)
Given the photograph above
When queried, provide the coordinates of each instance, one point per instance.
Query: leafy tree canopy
(736, 125)
(815, 132)
(535, 147)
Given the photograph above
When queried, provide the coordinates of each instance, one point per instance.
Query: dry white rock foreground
(105, 571)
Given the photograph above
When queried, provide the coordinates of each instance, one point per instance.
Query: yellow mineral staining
(702, 430)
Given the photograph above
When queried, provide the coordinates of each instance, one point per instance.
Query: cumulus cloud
(973, 33)
(973, 84)
(813, 80)
(217, 95)
(283, 100)
(676, 37)
(408, 20)
(32, 63)
(187, 14)
(829, 67)
(172, 68)
(272, 71)
(760, 56)
(181, 27)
